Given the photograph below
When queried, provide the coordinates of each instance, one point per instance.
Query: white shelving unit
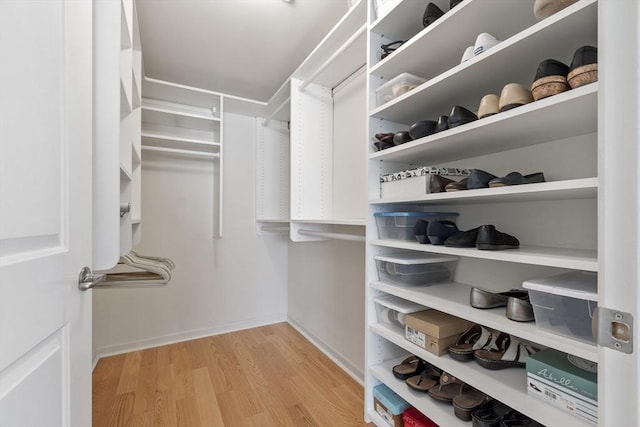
(117, 173)
(180, 120)
(317, 171)
(555, 220)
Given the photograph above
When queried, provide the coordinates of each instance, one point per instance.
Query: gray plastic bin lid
(414, 258)
(575, 284)
(399, 304)
(419, 214)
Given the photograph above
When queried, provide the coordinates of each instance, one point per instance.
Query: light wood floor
(267, 376)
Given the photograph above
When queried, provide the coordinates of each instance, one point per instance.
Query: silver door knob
(88, 280)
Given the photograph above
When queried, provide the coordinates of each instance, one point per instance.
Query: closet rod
(282, 228)
(336, 236)
(276, 111)
(180, 151)
(333, 57)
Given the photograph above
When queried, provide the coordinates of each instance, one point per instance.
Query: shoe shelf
(561, 116)
(514, 60)
(583, 188)
(178, 115)
(575, 259)
(453, 298)
(445, 39)
(166, 137)
(439, 412)
(507, 386)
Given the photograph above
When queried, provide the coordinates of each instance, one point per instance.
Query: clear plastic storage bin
(391, 310)
(397, 86)
(415, 269)
(399, 225)
(565, 304)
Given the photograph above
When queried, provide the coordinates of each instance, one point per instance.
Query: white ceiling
(246, 48)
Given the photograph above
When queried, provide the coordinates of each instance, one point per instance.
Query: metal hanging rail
(276, 111)
(333, 57)
(335, 236)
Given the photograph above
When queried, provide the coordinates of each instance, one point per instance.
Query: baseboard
(113, 350)
(352, 370)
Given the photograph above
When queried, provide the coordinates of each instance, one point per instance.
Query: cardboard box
(389, 405)
(434, 330)
(567, 382)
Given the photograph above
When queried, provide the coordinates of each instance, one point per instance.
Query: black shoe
(439, 231)
(422, 128)
(431, 14)
(443, 123)
(401, 137)
(490, 239)
(584, 67)
(454, 3)
(516, 178)
(460, 116)
(437, 183)
(457, 185)
(463, 239)
(550, 79)
(479, 179)
(383, 145)
(420, 231)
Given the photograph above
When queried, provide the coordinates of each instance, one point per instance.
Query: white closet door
(45, 212)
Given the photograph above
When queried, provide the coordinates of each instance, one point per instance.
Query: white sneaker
(484, 42)
(467, 55)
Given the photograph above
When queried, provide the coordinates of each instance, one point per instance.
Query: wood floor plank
(267, 376)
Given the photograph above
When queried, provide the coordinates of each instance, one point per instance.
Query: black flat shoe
(479, 179)
(584, 67)
(383, 145)
(431, 14)
(460, 116)
(401, 137)
(463, 239)
(439, 231)
(422, 128)
(454, 3)
(420, 231)
(516, 178)
(457, 185)
(437, 183)
(443, 123)
(550, 79)
(490, 239)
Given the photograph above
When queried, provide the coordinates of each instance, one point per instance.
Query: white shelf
(507, 386)
(183, 95)
(178, 115)
(153, 139)
(583, 188)
(453, 298)
(279, 106)
(514, 60)
(126, 24)
(561, 116)
(576, 259)
(125, 103)
(272, 220)
(125, 173)
(439, 412)
(357, 222)
(459, 27)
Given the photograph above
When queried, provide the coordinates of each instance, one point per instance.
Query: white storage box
(415, 182)
(391, 310)
(415, 269)
(565, 304)
(397, 86)
(399, 225)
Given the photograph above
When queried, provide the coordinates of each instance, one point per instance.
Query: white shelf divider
(453, 298)
(576, 259)
(584, 188)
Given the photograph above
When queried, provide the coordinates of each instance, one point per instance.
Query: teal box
(566, 381)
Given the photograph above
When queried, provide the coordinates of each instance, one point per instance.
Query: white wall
(218, 285)
(326, 298)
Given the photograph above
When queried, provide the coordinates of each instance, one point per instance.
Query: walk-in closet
(380, 213)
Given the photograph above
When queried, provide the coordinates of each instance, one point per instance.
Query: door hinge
(615, 329)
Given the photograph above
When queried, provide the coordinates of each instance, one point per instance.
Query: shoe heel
(437, 240)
